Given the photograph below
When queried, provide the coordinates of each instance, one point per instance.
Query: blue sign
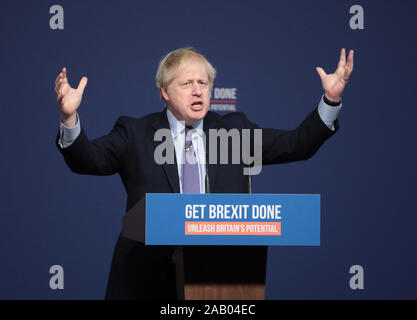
(233, 219)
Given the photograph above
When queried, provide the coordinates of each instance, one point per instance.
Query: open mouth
(197, 105)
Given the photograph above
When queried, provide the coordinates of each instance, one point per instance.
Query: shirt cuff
(328, 114)
(68, 135)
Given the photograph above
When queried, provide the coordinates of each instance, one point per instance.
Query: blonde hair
(170, 64)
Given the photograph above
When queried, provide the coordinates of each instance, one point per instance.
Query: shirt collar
(179, 126)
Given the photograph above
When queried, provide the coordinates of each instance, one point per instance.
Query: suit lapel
(171, 170)
(210, 123)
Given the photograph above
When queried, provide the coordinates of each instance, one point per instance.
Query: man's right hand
(69, 99)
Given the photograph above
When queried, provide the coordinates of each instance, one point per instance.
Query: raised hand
(334, 84)
(69, 99)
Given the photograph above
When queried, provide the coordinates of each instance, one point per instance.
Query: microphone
(249, 182)
(207, 180)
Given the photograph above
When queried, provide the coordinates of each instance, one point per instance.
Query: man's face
(188, 94)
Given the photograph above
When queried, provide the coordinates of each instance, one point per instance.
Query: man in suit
(185, 80)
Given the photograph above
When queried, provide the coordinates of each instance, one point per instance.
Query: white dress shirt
(197, 139)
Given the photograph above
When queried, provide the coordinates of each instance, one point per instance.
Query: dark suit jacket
(140, 272)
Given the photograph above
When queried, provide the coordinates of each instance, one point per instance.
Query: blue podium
(221, 240)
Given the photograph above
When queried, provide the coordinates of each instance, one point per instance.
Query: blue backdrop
(268, 50)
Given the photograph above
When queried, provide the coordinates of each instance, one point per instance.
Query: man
(185, 80)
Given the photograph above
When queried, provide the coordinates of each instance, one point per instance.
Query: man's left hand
(334, 84)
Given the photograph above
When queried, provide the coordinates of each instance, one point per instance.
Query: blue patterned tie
(190, 177)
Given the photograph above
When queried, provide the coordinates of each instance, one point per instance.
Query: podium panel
(221, 240)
